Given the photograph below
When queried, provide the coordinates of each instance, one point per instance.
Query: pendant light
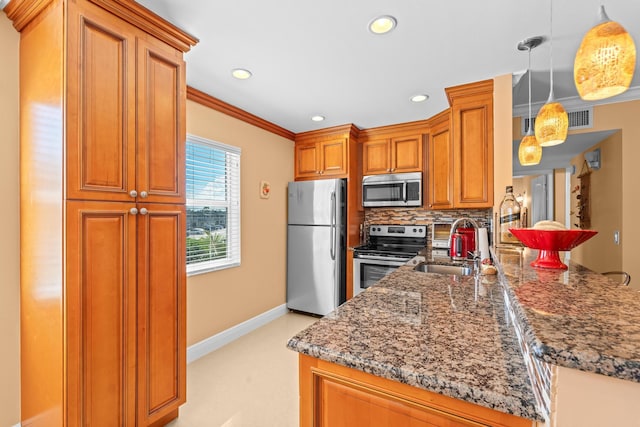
(605, 61)
(552, 122)
(530, 151)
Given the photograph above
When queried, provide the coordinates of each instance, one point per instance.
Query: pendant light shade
(605, 61)
(529, 151)
(552, 122)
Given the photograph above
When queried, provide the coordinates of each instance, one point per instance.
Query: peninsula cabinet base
(335, 396)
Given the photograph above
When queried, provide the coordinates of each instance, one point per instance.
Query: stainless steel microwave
(399, 189)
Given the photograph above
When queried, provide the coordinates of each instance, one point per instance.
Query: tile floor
(250, 382)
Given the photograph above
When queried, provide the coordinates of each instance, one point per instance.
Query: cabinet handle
(133, 211)
(143, 211)
(321, 172)
(133, 193)
(144, 194)
(389, 170)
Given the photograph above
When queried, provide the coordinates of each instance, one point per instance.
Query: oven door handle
(333, 226)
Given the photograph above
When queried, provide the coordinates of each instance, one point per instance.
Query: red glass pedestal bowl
(550, 242)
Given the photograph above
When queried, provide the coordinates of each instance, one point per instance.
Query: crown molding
(207, 100)
(576, 103)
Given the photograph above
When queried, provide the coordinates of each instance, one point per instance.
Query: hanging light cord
(551, 95)
(529, 72)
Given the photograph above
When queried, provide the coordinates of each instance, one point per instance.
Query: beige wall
(221, 299)
(10, 241)
(600, 253)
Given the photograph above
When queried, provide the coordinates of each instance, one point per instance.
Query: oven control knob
(415, 230)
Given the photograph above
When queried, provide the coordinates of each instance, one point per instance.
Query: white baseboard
(206, 346)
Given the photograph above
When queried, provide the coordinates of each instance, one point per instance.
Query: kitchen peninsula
(448, 350)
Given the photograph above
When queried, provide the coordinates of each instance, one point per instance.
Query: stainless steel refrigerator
(316, 241)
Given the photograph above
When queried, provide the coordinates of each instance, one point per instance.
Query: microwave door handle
(333, 226)
(404, 191)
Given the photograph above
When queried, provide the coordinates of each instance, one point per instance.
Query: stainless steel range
(389, 247)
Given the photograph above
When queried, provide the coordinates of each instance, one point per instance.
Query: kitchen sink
(458, 270)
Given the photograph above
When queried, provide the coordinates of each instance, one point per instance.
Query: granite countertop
(446, 334)
(575, 318)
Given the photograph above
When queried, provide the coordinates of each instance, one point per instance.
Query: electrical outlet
(616, 237)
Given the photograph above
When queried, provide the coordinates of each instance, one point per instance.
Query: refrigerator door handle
(333, 225)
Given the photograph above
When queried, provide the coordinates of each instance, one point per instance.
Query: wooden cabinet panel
(325, 153)
(307, 160)
(392, 155)
(475, 154)
(101, 108)
(376, 157)
(333, 157)
(333, 396)
(101, 314)
(161, 310)
(161, 94)
(440, 185)
(406, 154)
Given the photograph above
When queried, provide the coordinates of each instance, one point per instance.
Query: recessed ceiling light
(317, 118)
(382, 24)
(419, 98)
(241, 73)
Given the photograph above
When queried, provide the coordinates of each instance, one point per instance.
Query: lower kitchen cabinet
(125, 309)
(335, 396)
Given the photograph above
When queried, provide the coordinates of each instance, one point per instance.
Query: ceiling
(318, 58)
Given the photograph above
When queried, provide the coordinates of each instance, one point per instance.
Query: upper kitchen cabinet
(326, 153)
(126, 104)
(471, 139)
(393, 149)
(439, 186)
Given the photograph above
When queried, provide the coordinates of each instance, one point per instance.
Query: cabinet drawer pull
(133, 193)
(133, 211)
(143, 211)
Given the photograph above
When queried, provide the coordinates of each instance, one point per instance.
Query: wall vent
(578, 119)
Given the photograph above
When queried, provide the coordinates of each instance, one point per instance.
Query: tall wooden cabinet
(103, 337)
(461, 150)
(472, 135)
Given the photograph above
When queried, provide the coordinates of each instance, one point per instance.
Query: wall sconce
(593, 159)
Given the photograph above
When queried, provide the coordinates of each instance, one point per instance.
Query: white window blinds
(213, 205)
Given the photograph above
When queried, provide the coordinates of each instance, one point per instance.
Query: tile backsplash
(423, 217)
(420, 216)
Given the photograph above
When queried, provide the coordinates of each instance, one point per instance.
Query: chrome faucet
(454, 227)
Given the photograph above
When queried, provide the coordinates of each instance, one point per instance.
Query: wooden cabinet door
(161, 311)
(160, 166)
(101, 96)
(440, 171)
(406, 154)
(376, 157)
(307, 158)
(333, 157)
(472, 124)
(101, 314)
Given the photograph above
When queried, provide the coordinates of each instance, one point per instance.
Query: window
(213, 205)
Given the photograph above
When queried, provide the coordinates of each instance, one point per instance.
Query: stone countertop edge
(508, 391)
(576, 318)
